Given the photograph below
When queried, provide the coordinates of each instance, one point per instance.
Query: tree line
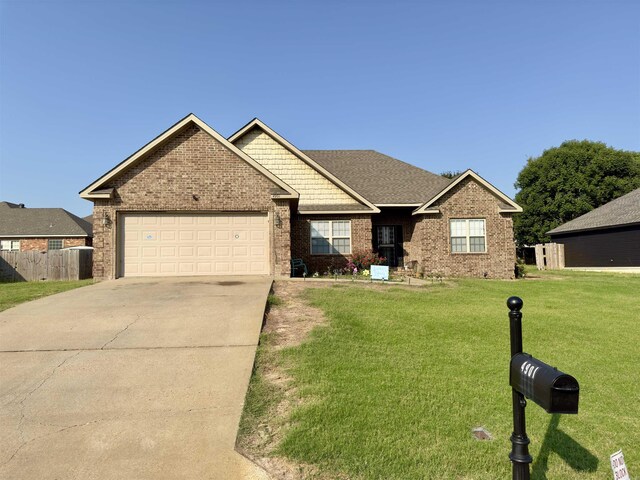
(568, 181)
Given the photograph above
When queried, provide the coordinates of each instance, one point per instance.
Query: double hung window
(55, 244)
(331, 237)
(11, 245)
(468, 235)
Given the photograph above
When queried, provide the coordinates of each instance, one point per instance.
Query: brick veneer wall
(189, 172)
(301, 240)
(468, 199)
(42, 244)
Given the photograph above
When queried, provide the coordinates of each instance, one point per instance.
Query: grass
(12, 294)
(393, 386)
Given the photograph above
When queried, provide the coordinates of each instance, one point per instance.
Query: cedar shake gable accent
(353, 201)
(97, 190)
(506, 204)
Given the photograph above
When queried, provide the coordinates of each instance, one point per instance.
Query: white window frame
(467, 235)
(55, 239)
(14, 245)
(330, 238)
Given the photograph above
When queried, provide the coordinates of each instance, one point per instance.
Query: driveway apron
(130, 379)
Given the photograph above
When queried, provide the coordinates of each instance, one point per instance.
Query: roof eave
(335, 212)
(408, 205)
(591, 229)
(45, 235)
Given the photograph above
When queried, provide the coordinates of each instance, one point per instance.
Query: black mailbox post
(529, 377)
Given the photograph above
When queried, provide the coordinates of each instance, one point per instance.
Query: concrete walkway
(130, 379)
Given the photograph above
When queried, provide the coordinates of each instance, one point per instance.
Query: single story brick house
(41, 229)
(607, 236)
(192, 202)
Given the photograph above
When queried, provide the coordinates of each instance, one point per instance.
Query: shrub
(362, 260)
(519, 270)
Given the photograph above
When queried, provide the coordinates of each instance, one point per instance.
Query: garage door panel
(194, 244)
(240, 251)
(186, 267)
(149, 268)
(168, 267)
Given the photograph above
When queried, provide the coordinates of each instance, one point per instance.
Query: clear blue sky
(445, 85)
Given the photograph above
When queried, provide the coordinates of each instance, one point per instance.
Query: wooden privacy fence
(52, 265)
(549, 256)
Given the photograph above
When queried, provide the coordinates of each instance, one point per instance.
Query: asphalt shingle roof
(16, 220)
(379, 178)
(623, 210)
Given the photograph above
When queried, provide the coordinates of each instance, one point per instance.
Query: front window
(468, 236)
(55, 244)
(331, 237)
(11, 245)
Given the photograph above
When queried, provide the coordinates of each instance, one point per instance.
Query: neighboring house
(192, 202)
(41, 229)
(608, 236)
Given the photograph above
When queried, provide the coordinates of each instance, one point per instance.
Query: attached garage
(171, 244)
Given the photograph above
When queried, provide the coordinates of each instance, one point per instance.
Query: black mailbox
(553, 390)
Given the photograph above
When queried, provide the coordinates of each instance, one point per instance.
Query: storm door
(387, 241)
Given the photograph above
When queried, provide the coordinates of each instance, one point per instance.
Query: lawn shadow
(579, 458)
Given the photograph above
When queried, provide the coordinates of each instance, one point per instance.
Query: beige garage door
(194, 244)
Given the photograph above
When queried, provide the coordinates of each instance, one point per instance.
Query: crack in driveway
(23, 406)
(120, 332)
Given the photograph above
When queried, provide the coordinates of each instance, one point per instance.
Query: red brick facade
(301, 241)
(191, 172)
(467, 200)
(42, 244)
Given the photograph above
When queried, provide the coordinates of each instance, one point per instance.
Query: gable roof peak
(511, 206)
(256, 122)
(94, 191)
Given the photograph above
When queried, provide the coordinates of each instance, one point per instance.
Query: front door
(387, 241)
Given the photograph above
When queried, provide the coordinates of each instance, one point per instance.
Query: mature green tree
(568, 181)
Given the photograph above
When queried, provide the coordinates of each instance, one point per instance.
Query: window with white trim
(331, 237)
(11, 245)
(468, 235)
(55, 244)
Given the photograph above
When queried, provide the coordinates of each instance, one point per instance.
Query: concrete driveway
(130, 379)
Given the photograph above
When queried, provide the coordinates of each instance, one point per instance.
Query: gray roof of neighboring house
(623, 210)
(16, 220)
(379, 178)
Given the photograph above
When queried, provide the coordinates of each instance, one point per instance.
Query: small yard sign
(379, 272)
(620, 471)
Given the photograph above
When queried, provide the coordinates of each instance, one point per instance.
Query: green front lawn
(12, 294)
(392, 388)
